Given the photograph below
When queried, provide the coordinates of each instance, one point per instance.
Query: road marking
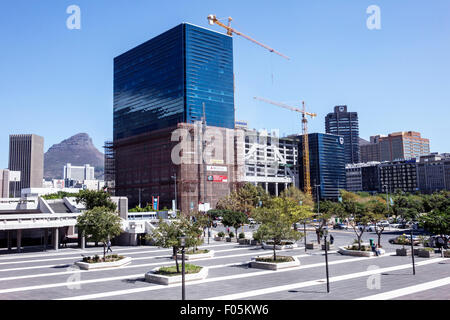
(408, 290)
(258, 292)
(215, 279)
(124, 267)
(79, 253)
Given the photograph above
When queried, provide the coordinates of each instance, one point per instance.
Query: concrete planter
(244, 241)
(103, 265)
(312, 245)
(218, 238)
(328, 246)
(426, 254)
(357, 253)
(272, 265)
(402, 252)
(228, 239)
(209, 254)
(279, 247)
(255, 243)
(152, 277)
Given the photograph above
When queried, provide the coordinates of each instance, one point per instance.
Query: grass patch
(197, 251)
(97, 259)
(172, 271)
(280, 259)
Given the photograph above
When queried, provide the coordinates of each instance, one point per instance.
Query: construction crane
(213, 20)
(306, 172)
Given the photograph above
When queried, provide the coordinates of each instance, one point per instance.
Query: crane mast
(306, 166)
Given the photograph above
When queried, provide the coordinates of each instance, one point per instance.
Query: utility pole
(205, 190)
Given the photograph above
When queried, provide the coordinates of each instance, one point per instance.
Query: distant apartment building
(327, 165)
(345, 124)
(270, 161)
(399, 175)
(395, 146)
(433, 173)
(26, 154)
(363, 177)
(4, 183)
(78, 173)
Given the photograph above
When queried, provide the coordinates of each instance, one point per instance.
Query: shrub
(279, 259)
(221, 234)
(231, 234)
(241, 235)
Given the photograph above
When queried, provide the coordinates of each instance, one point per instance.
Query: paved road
(51, 275)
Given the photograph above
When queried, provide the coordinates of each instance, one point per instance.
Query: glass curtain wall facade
(327, 165)
(344, 123)
(166, 80)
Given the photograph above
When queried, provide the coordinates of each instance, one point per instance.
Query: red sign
(220, 178)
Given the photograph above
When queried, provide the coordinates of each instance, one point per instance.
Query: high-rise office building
(166, 80)
(433, 173)
(345, 124)
(26, 154)
(398, 175)
(327, 165)
(162, 85)
(403, 146)
(363, 177)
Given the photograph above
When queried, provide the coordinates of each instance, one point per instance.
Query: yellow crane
(306, 172)
(213, 20)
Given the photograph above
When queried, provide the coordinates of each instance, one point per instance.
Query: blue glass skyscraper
(165, 81)
(327, 165)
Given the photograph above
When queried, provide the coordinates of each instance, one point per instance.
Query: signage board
(155, 201)
(218, 178)
(217, 168)
(14, 176)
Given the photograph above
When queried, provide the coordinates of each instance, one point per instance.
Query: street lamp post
(304, 225)
(182, 245)
(325, 234)
(412, 251)
(175, 178)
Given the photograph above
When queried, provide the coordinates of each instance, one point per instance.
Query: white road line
(124, 267)
(215, 279)
(408, 290)
(298, 285)
(78, 253)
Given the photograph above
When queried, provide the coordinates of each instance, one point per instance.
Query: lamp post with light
(325, 234)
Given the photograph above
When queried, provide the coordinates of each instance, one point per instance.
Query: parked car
(383, 223)
(433, 240)
(251, 221)
(340, 226)
(369, 228)
(416, 240)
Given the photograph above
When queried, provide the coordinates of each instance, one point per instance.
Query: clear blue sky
(57, 82)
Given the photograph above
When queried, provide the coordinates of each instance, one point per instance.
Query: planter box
(357, 253)
(244, 241)
(328, 247)
(218, 238)
(426, 254)
(210, 254)
(402, 252)
(312, 245)
(278, 247)
(272, 265)
(255, 243)
(103, 265)
(152, 277)
(228, 239)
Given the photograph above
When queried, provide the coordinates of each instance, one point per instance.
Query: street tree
(100, 224)
(436, 222)
(358, 212)
(92, 199)
(276, 219)
(234, 219)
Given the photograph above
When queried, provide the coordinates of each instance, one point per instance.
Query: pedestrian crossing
(34, 276)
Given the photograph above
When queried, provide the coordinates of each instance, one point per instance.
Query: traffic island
(285, 245)
(197, 254)
(95, 262)
(365, 251)
(268, 263)
(169, 275)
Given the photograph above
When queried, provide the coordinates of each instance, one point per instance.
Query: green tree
(276, 219)
(378, 212)
(92, 199)
(234, 219)
(244, 199)
(436, 222)
(297, 195)
(327, 209)
(407, 207)
(100, 224)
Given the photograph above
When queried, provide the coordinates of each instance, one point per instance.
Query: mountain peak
(77, 150)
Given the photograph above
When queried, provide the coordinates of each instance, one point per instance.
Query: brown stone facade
(145, 165)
